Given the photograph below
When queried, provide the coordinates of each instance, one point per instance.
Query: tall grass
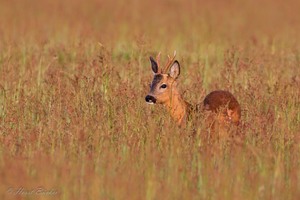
(73, 76)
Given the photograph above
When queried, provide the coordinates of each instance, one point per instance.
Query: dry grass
(73, 76)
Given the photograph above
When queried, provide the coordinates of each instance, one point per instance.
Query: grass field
(74, 123)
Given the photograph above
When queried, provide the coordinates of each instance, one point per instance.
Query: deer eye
(163, 86)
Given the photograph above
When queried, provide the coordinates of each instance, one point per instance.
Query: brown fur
(223, 101)
(221, 106)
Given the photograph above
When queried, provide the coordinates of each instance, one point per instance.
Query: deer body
(163, 90)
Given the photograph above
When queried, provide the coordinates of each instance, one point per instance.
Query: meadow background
(74, 74)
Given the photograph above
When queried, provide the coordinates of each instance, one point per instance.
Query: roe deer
(163, 90)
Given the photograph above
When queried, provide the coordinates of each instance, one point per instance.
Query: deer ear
(154, 65)
(175, 70)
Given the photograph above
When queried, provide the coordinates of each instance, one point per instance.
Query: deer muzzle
(150, 99)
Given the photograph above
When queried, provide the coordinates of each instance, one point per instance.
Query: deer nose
(150, 99)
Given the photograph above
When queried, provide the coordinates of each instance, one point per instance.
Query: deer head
(163, 86)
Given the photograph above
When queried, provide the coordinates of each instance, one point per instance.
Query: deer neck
(178, 107)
